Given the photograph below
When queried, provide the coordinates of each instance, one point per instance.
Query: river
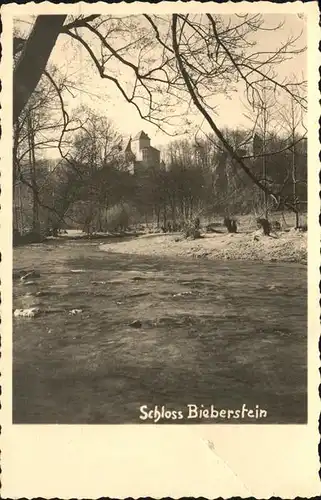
(219, 333)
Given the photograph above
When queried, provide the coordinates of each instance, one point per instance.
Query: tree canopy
(167, 66)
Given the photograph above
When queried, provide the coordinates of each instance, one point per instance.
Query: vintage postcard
(160, 250)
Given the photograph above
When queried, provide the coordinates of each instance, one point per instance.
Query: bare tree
(263, 113)
(291, 117)
(186, 59)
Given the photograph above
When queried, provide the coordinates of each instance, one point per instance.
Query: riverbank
(290, 246)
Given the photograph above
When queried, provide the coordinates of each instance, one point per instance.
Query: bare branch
(209, 119)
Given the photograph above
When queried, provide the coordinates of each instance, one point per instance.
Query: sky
(102, 96)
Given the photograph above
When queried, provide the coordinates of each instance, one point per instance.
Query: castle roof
(141, 135)
(128, 147)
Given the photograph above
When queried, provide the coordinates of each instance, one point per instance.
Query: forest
(225, 172)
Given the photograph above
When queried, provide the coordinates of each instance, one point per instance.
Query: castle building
(140, 154)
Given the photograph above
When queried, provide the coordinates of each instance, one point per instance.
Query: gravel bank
(288, 246)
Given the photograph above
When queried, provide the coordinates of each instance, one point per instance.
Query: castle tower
(140, 154)
(139, 145)
(143, 140)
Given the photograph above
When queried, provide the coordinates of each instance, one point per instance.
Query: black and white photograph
(161, 186)
(160, 219)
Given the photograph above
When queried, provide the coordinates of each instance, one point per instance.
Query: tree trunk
(33, 59)
(294, 182)
(158, 217)
(265, 204)
(32, 164)
(15, 154)
(164, 216)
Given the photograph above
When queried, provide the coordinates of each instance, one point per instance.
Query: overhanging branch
(214, 127)
(33, 59)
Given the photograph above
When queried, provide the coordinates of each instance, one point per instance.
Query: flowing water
(209, 332)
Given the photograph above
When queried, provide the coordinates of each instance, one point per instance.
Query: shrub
(275, 225)
(197, 223)
(230, 224)
(117, 218)
(265, 225)
(191, 231)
